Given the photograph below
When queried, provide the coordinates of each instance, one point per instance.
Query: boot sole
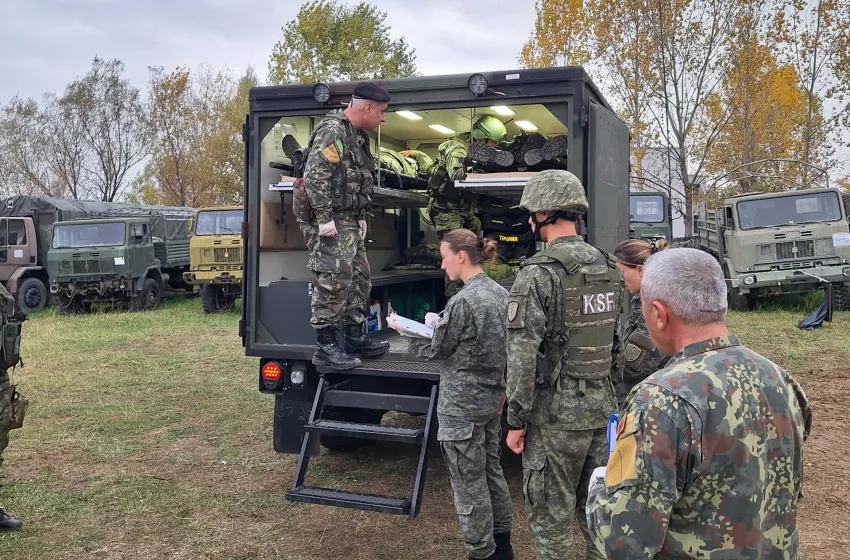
(290, 145)
(481, 153)
(502, 158)
(319, 362)
(554, 147)
(533, 157)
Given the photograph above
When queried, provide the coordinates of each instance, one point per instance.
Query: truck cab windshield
(88, 235)
(789, 210)
(649, 209)
(219, 222)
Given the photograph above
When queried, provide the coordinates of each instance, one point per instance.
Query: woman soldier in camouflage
(470, 338)
(642, 358)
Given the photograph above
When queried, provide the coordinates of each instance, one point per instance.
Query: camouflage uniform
(9, 357)
(338, 180)
(640, 357)
(708, 461)
(448, 207)
(470, 337)
(561, 326)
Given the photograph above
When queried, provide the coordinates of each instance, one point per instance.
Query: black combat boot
(356, 342)
(8, 523)
(504, 550)
(329, 352)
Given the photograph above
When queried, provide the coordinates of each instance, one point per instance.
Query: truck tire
(840, 296)
(215, 299)
(735, 300)
(345, 414)
(32, 295)
(148, 298)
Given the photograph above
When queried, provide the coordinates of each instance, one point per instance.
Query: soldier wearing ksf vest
(562, 320)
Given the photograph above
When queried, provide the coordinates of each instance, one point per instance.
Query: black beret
(369, 90)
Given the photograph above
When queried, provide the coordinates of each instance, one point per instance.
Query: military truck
(771, 244)
(216, 257)
(121, 259)
(344, 409)
(25, 239)
(650, 215)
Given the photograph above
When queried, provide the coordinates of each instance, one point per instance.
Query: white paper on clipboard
(409, 327)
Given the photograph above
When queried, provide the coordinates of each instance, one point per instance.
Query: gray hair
(689, 282)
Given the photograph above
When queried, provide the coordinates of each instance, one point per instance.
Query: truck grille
(91, 266)
(228, 255)
(805, 249)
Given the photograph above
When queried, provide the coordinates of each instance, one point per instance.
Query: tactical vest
(581, 320)
(352, 179)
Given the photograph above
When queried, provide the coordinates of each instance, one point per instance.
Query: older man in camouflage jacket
(708, 460)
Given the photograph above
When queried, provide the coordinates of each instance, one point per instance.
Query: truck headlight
(749, 280)
(845, 271)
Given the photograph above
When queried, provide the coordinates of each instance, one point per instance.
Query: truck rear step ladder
(337, 395)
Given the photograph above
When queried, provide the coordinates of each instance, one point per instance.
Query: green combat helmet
(489, 128)
(554, 190)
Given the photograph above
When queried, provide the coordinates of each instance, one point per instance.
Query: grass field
(146, 437)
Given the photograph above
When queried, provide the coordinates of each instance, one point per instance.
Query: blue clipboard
(612, 432)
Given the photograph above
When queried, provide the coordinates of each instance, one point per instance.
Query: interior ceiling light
(502, 110)
(410, 115)
(526, 126)
(441, 129)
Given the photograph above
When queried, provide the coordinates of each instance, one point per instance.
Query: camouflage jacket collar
(568, 239)
(710, 345)
(477, 278)
(356, 134)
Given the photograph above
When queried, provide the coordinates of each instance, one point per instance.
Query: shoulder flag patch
(332, 153)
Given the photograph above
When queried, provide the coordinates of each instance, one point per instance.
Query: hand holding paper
(408, 327)
(431, 320)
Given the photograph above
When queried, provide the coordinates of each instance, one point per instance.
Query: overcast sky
(47, 43)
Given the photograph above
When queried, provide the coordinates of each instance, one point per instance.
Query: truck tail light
(271, 375)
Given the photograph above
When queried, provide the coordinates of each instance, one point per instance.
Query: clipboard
(411, 328)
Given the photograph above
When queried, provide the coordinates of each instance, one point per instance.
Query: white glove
(598, 477)
(328, 229)
(431, 320)
(391, 321)
(362, 224)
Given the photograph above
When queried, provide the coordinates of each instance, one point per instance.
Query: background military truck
(128, 259)
(650, 215)
(780, 243)
(345, 409)
(25, 223)
(216, 257)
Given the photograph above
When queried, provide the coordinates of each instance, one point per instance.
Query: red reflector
(271, 371)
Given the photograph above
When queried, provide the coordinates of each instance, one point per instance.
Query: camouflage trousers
(5, 419)
(342, 279)
(556, 469)
(472, 450)
(448, 219)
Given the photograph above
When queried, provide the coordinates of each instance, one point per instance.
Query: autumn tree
(561, 36)
(329, 41)
(195, 119)
(111, 123)
(624, 48)
(27, 164)
(813, 38)
(760, 103)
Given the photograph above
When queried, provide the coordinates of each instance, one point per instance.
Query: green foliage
(331, 42)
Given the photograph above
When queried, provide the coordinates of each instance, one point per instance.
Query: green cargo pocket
(534, 475)
(449, 438)
(335, 253)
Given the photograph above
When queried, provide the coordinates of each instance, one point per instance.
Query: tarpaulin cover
(167, 222)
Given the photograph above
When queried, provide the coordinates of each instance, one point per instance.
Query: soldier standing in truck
(339, 181)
